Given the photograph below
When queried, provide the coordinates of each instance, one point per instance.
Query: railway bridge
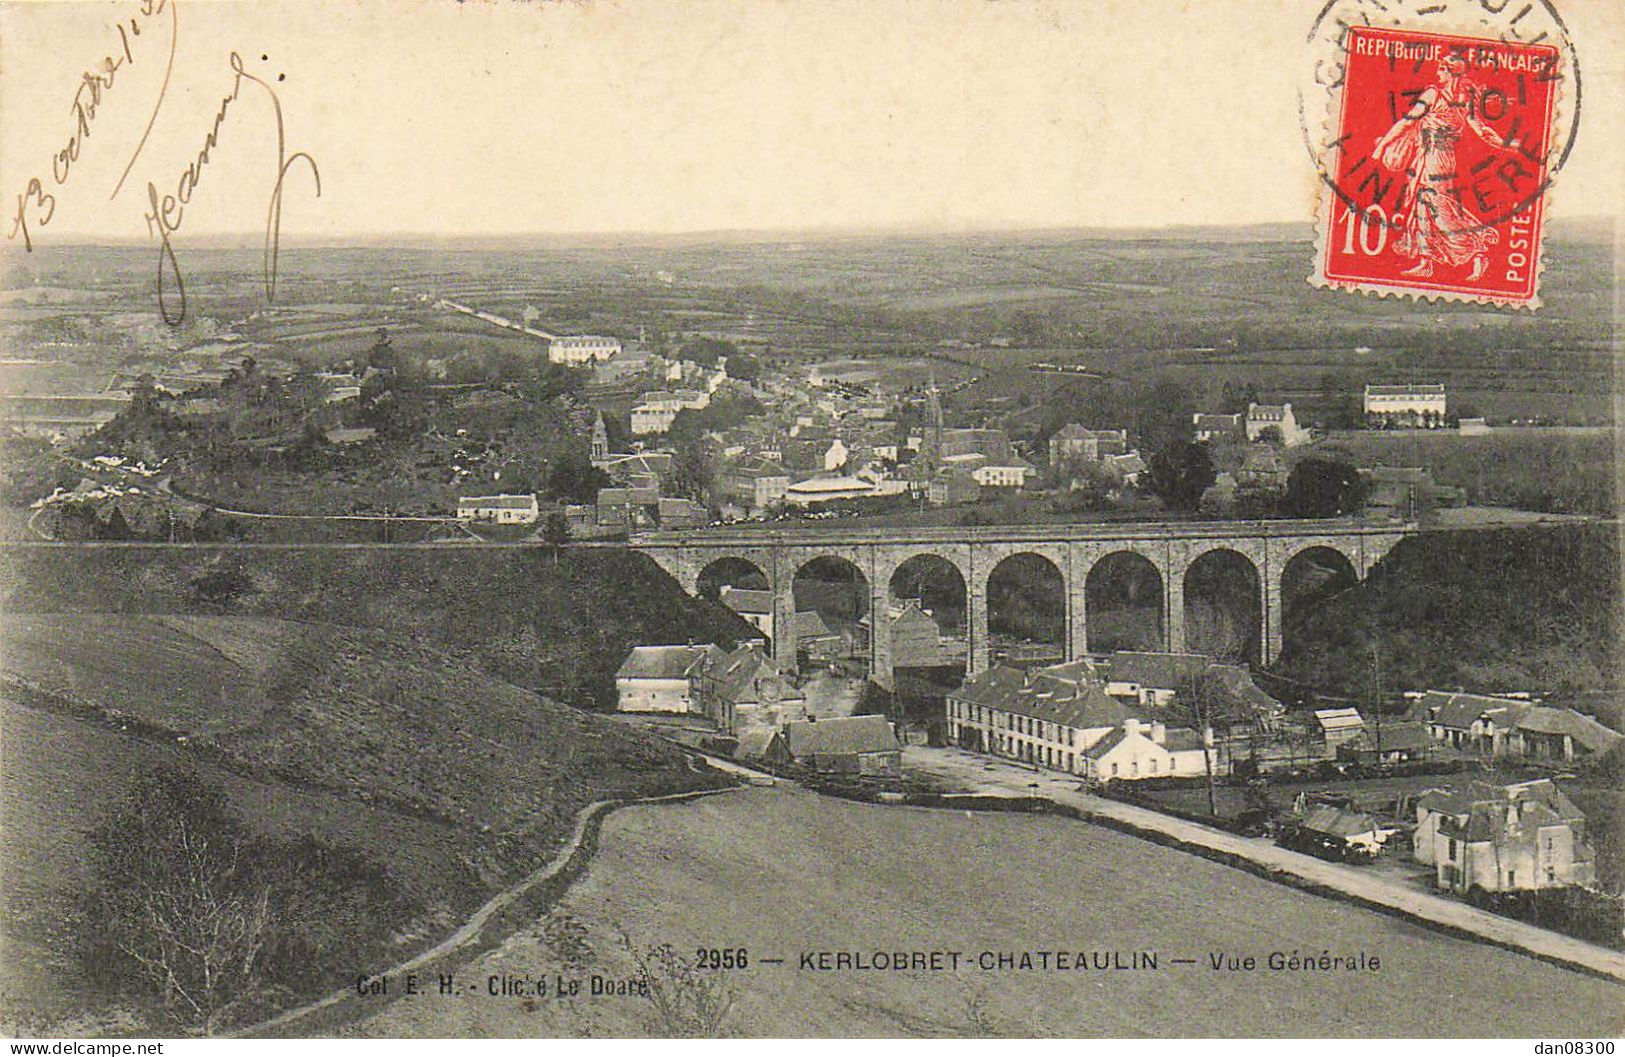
(1267, 552)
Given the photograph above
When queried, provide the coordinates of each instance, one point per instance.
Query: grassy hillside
(451, 782)
(1509, 609)
(348, 695)
(559, 629)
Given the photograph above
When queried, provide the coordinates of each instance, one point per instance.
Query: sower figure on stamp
(1422, 145)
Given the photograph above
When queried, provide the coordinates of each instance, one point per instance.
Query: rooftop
(840, 736)
(1420, 389)
(498, 502)
(1585, 731)
(1052, 695)
(660, 662)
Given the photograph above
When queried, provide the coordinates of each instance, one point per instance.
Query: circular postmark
(1462, 110)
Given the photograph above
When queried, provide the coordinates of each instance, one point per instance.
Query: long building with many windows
(1046, 716)
(1405, 405)
(1063, 717)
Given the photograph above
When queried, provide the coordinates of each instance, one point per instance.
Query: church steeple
(933, 429)
(600, 440)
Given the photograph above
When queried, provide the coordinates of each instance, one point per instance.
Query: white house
(1338, 725)
(1136, 750)
(500, 509)
(1508, 838)
(827, 489)
(1470, 722)
(836, 456)
(659, 679)
(1010, 475)
(582, 348)
(1262, 417)
(658, 409)
(755, 606)
(1410, 404)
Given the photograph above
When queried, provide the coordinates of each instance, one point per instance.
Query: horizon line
(253, 239)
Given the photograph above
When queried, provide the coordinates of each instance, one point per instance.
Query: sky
(610, 116)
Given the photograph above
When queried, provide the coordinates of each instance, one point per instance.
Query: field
(198, 674)
(561, 627)
(782, 872)
(57, 772)
(1561, 471)
(448, 778)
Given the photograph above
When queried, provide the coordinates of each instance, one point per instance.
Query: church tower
(600, 441)
(933, 429)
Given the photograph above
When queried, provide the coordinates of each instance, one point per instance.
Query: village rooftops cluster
(1508, 726)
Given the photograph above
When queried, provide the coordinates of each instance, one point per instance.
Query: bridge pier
(1173, 614)
(781, 584)
(976, 661)
(880, 651)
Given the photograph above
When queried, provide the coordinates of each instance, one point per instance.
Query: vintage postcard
(811, 518)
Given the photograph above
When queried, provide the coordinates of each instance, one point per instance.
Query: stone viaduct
(1171, 548)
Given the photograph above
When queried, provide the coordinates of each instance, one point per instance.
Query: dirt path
(471, 930)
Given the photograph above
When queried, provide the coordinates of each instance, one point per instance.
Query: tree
(1180, 473)
(573, 478)
(1161, 415)
(688, 1002)
(1320, 487)
(556, 532)
(704, 351)
(745, 367)
(383, 355)
(175, 896)
(1087, 485)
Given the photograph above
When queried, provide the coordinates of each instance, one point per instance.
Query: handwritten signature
(167, 211)
(37, 204)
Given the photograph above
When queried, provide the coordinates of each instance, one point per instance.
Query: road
(983, 774)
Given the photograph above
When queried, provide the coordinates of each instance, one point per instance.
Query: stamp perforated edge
(1326, 199)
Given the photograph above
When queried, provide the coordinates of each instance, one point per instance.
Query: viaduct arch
(1271, 549)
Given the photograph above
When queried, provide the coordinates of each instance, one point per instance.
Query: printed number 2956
(721, 958)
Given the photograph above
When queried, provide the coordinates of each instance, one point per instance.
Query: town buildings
(1338, 826)
(1137, 750)
(1074, 442)
(754, 484)
(1388, 743)
(1509, 726)
(499, 509)
(1062, 717)
(1558, 735)
(1405, 406)
(742, 687)
(858, 746)
(1513, 838)
(581, 349)
(731, 688)
(659, 408)
(1263, 418)
(916, 640)
(659, 679)
(1208, 427)
(1337, 726)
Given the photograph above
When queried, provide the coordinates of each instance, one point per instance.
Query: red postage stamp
(1435, 180)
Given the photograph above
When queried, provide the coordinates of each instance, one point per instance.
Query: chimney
(1131, 726)
(1159, 731)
